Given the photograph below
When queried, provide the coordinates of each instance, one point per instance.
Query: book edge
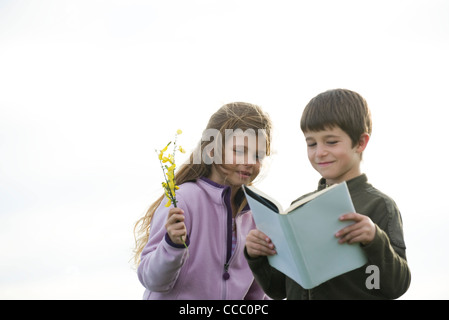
(266, 196)
(309, 198)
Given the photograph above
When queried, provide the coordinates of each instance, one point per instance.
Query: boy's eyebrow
(325, 137)
(332, 136)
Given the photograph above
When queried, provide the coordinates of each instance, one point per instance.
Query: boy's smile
(331, 153)
(325, 164)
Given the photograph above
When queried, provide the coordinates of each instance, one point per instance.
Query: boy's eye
(311, 144)
(332, 142)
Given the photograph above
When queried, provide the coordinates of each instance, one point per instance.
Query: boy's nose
(320, 151)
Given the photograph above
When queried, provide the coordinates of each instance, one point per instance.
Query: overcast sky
(88, 90)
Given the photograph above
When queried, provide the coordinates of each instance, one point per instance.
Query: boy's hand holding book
(362, 230)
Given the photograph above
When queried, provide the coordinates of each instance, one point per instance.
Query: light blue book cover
(304, 234)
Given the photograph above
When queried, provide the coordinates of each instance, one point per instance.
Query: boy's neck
(345, 177)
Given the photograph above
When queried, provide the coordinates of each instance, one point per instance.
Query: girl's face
(331, 153)
(243, 155)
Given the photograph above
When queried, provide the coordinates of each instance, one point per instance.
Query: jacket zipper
(226, 274)
(228, 223)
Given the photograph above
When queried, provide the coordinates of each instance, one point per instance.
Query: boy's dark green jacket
(386, 251)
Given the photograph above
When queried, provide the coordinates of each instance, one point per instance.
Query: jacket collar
(223, 189)
(353, 184)
(213, 183)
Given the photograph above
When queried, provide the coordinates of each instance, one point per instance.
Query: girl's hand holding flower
(175, 226)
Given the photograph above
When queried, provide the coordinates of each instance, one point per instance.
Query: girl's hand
(362, 230)
(258, 244)
(175, 226)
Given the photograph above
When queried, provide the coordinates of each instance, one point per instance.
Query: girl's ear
(363, 142)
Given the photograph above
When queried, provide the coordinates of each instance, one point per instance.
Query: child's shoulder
(188, 194)
(188, 188)
(376, 193)
(371, 194)
(198, 193)
(197, 188)
(381, 208)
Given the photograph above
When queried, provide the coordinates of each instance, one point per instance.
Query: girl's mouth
(244, 174)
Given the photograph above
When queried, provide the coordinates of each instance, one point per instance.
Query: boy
(337, 127)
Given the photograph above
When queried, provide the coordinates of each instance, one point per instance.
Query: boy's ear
(363, 142)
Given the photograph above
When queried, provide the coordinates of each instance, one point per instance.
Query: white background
(88, 90)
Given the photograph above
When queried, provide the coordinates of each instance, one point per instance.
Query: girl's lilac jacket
(207, 270)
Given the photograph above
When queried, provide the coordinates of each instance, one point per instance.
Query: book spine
(303, 274)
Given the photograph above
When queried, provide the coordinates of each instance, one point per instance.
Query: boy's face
(331, 153)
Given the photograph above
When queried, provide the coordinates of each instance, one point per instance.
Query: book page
(256, 193)
(307, 199)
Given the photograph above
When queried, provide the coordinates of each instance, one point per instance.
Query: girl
(212, 215)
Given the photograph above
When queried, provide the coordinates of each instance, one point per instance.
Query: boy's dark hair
(339, 107)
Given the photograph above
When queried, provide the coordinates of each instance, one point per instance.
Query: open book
(304, 234)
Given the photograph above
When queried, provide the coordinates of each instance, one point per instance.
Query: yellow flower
(165, 149)
(168, 204)
(169, 185)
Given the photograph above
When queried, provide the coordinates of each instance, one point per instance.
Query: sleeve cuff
(175, 245)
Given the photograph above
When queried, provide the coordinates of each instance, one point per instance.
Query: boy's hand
(362, 230)
(175, 226)
(258, 244)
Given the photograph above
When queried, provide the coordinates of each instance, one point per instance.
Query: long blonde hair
(237, 115)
